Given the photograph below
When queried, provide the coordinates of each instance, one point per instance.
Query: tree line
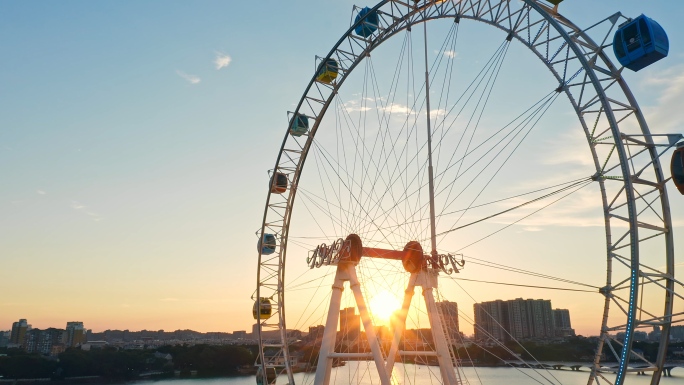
(119, 364)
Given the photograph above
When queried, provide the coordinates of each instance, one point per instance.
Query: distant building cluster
(499, 320)
(520, 319)
(676, 334)
(50, 341)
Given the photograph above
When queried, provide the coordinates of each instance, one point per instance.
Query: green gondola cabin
(299, 125)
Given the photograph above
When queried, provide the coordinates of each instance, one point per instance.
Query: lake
(421, 375)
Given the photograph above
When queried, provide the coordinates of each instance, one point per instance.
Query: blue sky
(134, 169)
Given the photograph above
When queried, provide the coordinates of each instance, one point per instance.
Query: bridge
(576, 366)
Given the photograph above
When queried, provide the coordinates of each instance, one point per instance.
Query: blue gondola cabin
(369, 24)
(299, 125)
(677, 168)
(268, 246)
(327, 72)
(640, 43)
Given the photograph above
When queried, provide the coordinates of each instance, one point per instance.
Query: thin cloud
(448, 53)
(667, 114)
(79, 207)
(192, 79)
(40, 192)
(222, 60)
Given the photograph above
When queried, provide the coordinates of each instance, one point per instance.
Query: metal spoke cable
(499, 266)
(517, 129)
(488, 69)
(534, 107)
(413, 106)
(459, 210)
(543, 101)
(325, 195)
(521, 285)
(491, 81)
(526, 216)
(500, 167)
(583, 183)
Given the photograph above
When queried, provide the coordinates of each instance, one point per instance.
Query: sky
(135, 139)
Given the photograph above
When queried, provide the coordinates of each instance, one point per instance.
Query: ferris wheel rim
(532, 4)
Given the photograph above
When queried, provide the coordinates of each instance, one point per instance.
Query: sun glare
(383, 305)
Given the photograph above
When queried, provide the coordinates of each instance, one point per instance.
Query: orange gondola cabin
(677, 168)
(278, 183)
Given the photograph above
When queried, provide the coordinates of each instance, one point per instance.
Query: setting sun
(382, 305)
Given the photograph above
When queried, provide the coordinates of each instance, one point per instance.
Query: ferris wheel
(443, 154)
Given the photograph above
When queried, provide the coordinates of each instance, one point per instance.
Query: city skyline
(135, 150)
(349, 324)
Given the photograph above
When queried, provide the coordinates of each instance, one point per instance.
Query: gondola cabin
(299, 125)
(278, 183)
(327, 72)
(270, 376)
(677, 168)
(369, 24)
(262, 309)
(268, 246)
(640, 43)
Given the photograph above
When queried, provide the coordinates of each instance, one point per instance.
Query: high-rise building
(489, 318)
(350, 324)
(449, 313)
(5, 338)
(19, 330)
(44, 341)
(514, 319)
(315, 332)
(255, 331)
(561, 322)
(75, 334)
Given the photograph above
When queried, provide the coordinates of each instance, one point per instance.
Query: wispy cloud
(169, 299)
(667, 114)
(396, 108)
(192, 79)
(532, 228)
(40, 192)
(79, 207)
(355, 105)
(222, 60)
(448, 53)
